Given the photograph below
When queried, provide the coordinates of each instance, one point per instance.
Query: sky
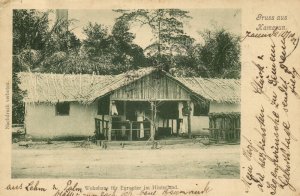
(229, 19)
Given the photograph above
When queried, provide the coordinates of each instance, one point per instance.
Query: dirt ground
(82, 160)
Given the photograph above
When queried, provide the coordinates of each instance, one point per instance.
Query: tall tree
(127, 53)
(98, 42)
(34, 42)
(220, 55)
(29, 31)
(167, 29)
(116, 48)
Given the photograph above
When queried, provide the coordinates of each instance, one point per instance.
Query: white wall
(224, 107)
(41, 120)
(198, 123)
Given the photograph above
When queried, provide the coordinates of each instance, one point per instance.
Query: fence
(225, 127)
(130, 130)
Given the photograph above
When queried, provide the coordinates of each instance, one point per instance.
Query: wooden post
(124, 109)
(172, 127)
(232, 126)
(106, 130)
(130, 134)
(152, 130)
(189, 120)
(96, 128)
(168, 124)
(210, 126)
(123, 118)
(25, 114)
(221, 129)
(177, 127)
(227, 132)
(154, 118)
(103, 131)
(215, 131)
(110, 120)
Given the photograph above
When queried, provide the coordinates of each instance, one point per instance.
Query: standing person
(114, 110)
(140, 119)
(182, 128)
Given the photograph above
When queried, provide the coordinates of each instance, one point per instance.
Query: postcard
(126, 98)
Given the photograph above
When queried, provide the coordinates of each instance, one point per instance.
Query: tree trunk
(159, 49)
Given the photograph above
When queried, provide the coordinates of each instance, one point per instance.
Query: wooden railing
(101, 132)
(121, 130)
(129, 130)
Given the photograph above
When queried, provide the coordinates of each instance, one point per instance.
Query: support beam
(130, 134)
(110, 120)
(25, 116)
(154, 118)
(211, 133)
(124, 109)
(152, 128)
(172, 126)
(104, 132)
(177, 127)
(123, 118)
(189, 120)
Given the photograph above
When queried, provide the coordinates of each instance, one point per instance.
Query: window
(103, 106)
(62, 109)
(201, 109)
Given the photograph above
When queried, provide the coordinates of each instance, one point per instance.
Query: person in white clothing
(114, 110)
(182, 128)
(140, 118)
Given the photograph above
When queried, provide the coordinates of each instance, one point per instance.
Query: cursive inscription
(32, 186)
(71, 189)
(275, 82)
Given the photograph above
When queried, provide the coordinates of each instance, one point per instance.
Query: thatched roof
(85, 88)
(41, 87)
(219, 90)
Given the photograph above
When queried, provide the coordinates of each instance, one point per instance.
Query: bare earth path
(68, 160)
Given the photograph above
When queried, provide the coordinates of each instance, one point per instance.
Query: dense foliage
(169, 38)
(39, 46)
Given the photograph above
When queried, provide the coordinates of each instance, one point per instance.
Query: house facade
(136, 105)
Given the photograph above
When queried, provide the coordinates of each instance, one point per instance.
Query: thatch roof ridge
(48, 87)
(84, 88)
(213, 89)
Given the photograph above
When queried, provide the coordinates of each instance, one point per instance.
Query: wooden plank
(152, 88)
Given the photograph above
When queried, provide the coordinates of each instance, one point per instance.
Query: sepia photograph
(126, 93)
